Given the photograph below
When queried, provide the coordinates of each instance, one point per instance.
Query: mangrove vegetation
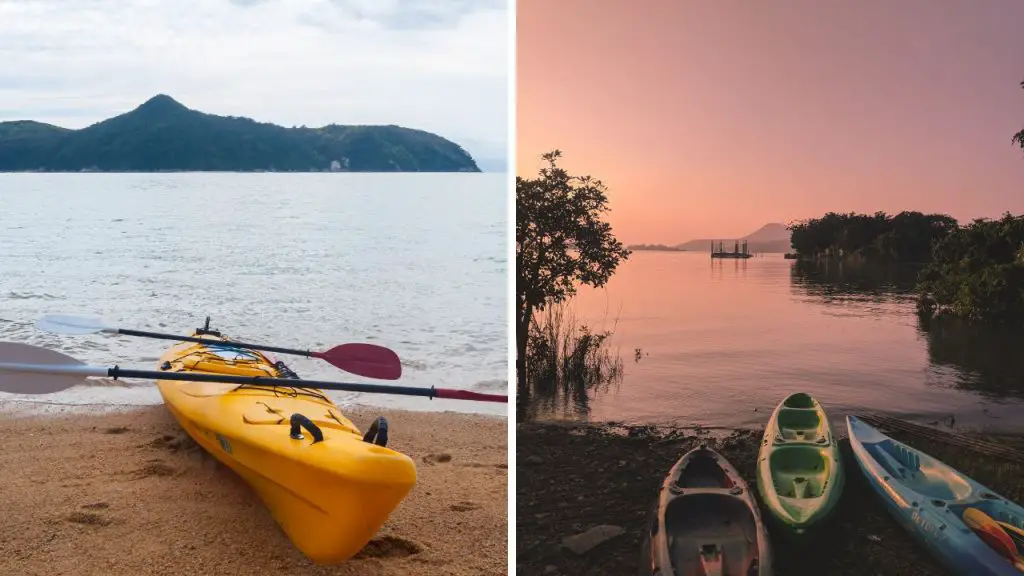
(905, 237)
(562, 242)
(973, 272)
(977, 272)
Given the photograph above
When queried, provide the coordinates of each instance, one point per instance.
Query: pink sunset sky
(710, 118)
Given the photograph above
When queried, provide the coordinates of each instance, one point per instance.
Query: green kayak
(799, 469)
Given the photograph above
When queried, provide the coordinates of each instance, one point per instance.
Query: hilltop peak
(769, 232)
(161, 103)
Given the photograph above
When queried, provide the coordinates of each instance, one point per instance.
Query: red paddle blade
(990, 532)
(369, 360)
(467, 395)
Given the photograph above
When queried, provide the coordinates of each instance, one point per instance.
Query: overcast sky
(438, 65)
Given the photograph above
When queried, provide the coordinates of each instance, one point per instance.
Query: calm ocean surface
(416, 262)
(722, 342)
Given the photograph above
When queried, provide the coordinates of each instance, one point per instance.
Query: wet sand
(130, 493)
(570, 478)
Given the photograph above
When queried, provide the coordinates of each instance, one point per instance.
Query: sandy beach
(130, 493)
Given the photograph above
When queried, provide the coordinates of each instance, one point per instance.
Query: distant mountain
(773, 232)
(164, 135)
(770, 238)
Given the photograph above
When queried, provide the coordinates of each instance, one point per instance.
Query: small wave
(414, 364)
(32, 296)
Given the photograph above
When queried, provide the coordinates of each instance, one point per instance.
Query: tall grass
(566, 362)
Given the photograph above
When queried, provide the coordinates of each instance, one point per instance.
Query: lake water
(416, 262)
(722, 342)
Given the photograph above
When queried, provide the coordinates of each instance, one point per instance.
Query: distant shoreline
(670, 249)
(646, 248)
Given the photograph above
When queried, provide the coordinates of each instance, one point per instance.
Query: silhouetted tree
(906, 237)
(561, 243)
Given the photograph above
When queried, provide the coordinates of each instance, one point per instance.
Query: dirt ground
(132, 494)
(570, 478)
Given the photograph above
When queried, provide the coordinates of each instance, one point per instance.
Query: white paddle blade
(72, 325)
(26, 369)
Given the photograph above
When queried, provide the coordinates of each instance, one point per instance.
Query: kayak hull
(800, 475)
(705, 522)
(928, 498)
(330, 497)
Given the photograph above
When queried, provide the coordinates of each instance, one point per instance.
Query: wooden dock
(1003, 451)
(737, 252)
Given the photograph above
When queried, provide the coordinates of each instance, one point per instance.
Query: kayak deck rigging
(254, 364)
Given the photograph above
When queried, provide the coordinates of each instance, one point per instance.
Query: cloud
(436, 65)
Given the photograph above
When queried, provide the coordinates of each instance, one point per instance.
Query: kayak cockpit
(716, 532)
(800, 400)
(706, 522)
(918, 472)
(800, 472)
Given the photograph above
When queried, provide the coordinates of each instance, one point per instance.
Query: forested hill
(164, 135)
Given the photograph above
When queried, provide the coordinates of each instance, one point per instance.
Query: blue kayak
(929, 498)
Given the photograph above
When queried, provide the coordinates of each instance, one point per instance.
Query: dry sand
(131, 494)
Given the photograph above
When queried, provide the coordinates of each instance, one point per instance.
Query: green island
(162, 135)
(973, 271)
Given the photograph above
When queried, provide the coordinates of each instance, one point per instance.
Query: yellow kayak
(329, 488)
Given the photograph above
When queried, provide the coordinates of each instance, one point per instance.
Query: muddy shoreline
(573, 477)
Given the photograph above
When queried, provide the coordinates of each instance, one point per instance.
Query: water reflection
(987, 359)
(827, 280)
(982, 359)
(721, 341)
(732, 267)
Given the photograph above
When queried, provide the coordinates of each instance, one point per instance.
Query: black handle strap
(299, 421)
(378, 432)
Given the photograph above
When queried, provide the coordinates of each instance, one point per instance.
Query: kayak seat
(800, 472)
(711, 530)
(800, 425)
(910, 460)
(920, 474)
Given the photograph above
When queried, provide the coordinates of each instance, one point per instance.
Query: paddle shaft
(116, 372)
(232, 343)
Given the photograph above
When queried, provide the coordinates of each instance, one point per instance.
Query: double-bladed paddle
(367, 360)
(27, 369)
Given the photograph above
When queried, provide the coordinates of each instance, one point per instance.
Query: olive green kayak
(799, 469)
